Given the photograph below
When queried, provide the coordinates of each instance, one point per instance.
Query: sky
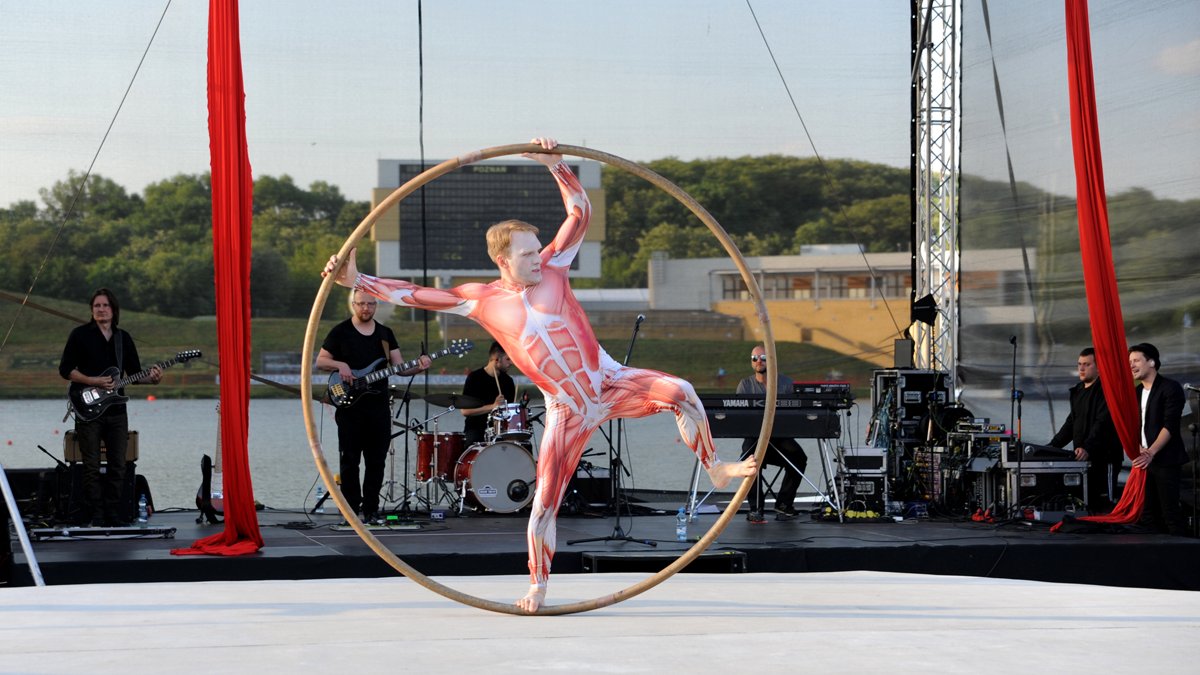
(331, 87)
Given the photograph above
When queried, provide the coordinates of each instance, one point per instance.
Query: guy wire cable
(833, 187)
(83, 181)
(1012, 187)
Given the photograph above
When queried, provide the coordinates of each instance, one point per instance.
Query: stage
(301, 546)
(703, 623)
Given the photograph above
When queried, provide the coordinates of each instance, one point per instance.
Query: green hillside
(35, 336)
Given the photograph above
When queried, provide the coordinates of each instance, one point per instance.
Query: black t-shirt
(482, 386)
(359, 351)
(89, 352)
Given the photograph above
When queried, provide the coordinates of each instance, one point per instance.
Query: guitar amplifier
(72, 453)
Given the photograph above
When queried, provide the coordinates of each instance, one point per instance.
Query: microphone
(1013, 340)
(641, 318)
(1192, 387)
(518, 490)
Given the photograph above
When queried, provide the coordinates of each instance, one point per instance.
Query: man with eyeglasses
(782, 452)
(365, 427)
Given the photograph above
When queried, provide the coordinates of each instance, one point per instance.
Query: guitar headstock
(188, 355)
(460, 347)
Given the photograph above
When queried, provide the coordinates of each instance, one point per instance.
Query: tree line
(155, 249)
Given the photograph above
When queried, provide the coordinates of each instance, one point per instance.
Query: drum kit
(496, 475)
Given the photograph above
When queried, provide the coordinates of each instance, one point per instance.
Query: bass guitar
(344, 394)
(91, 402)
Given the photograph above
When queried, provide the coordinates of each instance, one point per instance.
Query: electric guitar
(90, 402)
(345, 394)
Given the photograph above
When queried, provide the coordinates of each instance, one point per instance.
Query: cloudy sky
(333, 86)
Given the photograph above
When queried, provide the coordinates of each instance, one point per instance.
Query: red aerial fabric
(1099, 275)
(232, 192)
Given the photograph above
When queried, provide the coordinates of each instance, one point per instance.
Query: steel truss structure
(936, 69)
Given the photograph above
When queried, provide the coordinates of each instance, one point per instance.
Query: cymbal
(453, 401)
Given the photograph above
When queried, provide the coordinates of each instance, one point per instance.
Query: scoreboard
(459, 207)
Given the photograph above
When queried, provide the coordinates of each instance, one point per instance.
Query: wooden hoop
(395, 198)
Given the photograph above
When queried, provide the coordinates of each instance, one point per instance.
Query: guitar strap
(119, 344)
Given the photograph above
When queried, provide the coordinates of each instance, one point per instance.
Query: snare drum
(437, 453)
(510, 422)
(497, 477)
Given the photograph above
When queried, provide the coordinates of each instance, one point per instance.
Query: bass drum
(497, 477)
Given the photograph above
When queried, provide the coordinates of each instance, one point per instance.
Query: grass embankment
(30, 356)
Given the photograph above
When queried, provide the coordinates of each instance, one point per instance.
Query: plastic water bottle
(681, 525)
(143, 510)
(320, 498)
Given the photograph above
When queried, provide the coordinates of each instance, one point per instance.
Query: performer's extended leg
(562, 445)
(638, 392)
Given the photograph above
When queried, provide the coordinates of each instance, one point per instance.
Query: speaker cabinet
(72, 454)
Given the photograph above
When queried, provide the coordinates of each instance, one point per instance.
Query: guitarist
(364, 428)
(91, 350)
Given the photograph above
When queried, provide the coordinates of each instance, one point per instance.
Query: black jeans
(364, 433)
(1161, 510)
(103, 493)
(785, 453)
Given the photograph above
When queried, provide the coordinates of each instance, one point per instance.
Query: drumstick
(496, 377)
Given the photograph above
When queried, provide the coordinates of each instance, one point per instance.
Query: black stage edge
(299, 546)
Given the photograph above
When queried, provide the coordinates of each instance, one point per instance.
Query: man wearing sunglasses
(782, 452)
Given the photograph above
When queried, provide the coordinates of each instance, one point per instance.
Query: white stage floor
(836, 622)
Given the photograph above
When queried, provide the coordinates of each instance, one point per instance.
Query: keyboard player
(782, 452)
(1090, 430)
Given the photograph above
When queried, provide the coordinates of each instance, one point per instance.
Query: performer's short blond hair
(499, 237)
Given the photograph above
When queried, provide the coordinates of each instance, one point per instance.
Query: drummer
(489, 383)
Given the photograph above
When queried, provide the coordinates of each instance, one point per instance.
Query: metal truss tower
(936, 69)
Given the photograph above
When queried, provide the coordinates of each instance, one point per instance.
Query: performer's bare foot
(533, 599)
(722, 473)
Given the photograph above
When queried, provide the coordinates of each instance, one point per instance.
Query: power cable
(83, 181)
(834, 190)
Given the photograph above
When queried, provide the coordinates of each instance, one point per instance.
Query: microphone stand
(1015, 427)
(1194, 427)
(616, 467)
(405, 511)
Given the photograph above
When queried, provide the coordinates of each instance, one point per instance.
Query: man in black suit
(1162, 453)
(1089, 428)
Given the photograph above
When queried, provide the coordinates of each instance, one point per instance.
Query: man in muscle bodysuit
(531, 311)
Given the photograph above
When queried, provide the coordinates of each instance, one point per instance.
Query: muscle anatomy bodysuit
(545, 332)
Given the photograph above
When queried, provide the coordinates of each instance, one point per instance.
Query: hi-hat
(453, 401)
(397, 390)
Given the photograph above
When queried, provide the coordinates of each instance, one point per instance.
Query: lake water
(175, 433)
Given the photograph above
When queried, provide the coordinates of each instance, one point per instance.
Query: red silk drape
(232, 193)
(1099, 274)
